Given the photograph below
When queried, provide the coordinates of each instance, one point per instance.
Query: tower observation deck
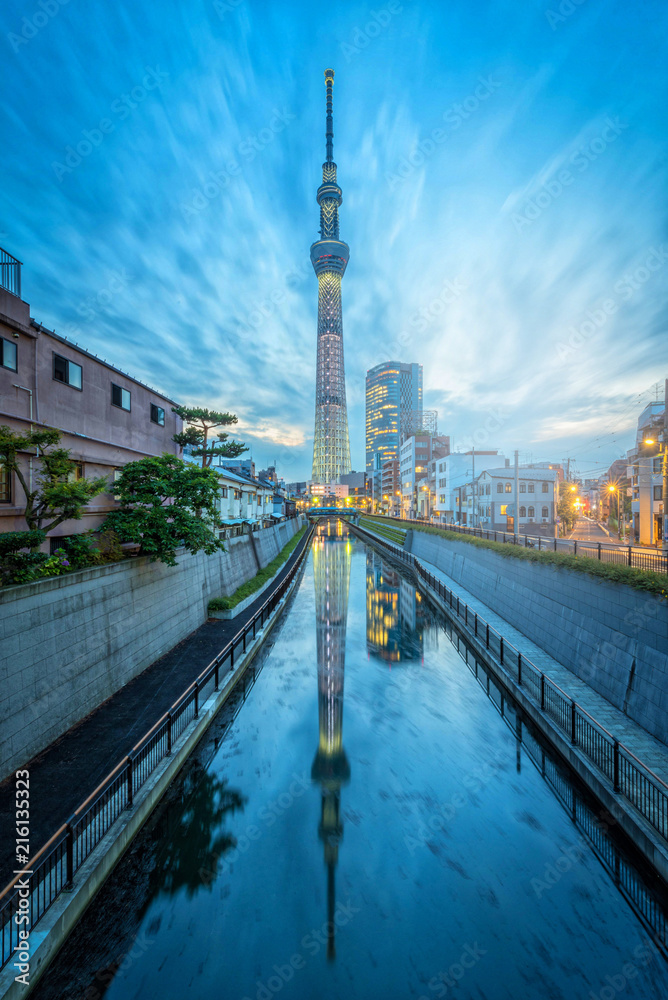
(329, 256)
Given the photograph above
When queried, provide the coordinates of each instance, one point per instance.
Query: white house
(452, 474)
(491, 501)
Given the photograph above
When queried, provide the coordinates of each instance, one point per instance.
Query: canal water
(370, 819)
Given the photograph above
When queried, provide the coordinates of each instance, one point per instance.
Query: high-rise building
(393, 391)
(329, 256)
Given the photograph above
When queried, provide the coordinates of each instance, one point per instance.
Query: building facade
(393, 401)
(453, 474)
(490, 501)
(415, 454)
(329, 256)
(107, 417)
(645, 472)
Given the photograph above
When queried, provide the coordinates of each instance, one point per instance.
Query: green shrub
(79, 550)
(14, 541)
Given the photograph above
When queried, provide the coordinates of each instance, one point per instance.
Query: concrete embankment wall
(70, 642)
(612, 636)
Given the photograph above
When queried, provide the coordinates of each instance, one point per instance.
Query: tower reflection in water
(332, 551)
(395, 616)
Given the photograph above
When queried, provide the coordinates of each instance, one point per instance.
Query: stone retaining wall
(70, 642)
(612, 636)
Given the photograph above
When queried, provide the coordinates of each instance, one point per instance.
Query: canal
(370, 819)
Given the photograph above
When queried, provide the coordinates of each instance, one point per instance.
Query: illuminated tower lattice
(329, 256)
(331, 568)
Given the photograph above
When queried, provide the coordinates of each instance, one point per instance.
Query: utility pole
(473, 490)
(516, 519)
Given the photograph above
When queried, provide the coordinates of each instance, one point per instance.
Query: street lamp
(614, 488)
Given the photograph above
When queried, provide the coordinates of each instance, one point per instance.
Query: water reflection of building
(394, 619)
(332, 550)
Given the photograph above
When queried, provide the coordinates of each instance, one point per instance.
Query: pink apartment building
(107, 418)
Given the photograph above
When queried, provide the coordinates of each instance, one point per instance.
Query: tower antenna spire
(329, 256)
(329, 83)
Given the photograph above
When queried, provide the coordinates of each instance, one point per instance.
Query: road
(587, 530)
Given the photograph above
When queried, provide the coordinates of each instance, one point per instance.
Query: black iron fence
(10, 273)
(627, 774)
(54, 866)
(622, 555)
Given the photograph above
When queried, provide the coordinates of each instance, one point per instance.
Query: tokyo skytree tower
(329, 256)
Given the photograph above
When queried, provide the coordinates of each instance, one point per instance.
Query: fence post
(216, 675)
(129, 802)
(487, 634)
(458, 605)
(501, 648)
(599, 551)
(169, 734)
(575, 546)
(629, 555)
(615, 761)
(555, 543)
(573, 724)
(466, 614)
(519, 669)
(542, 692)
(69, 859)
(196, 698)
(475, 624)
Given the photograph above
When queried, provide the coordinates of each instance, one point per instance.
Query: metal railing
(10, 273)
(54, 866)
(627, 774)
(622, 555)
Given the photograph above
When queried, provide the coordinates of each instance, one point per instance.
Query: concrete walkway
(64, 774)
(649, 750)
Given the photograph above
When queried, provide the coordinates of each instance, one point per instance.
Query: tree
(567, 511)
(56, 496)
(167, 502)
(200, 422)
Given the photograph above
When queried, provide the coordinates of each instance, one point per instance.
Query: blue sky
(503, 168)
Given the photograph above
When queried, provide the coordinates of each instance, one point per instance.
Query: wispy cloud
(220, 303)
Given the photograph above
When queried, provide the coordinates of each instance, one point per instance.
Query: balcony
(10, 273)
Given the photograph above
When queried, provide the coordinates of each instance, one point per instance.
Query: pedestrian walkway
(646, 747)
(65, 773)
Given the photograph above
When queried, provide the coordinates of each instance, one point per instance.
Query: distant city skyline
(505, 184)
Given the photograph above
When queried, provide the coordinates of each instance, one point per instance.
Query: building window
(531, 488)
(656, 463)
(545, 487)
(8, 355)
(532, 511)
(503, 508)
(158, 415)
(5, 485)
(120, 397)
(66, 371)
(546, 512)
(658, 492)
(523, 487)
(76, 474)
(509, 488)
(499, 487)
(523, 512)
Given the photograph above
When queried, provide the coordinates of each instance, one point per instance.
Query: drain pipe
(29, 391)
